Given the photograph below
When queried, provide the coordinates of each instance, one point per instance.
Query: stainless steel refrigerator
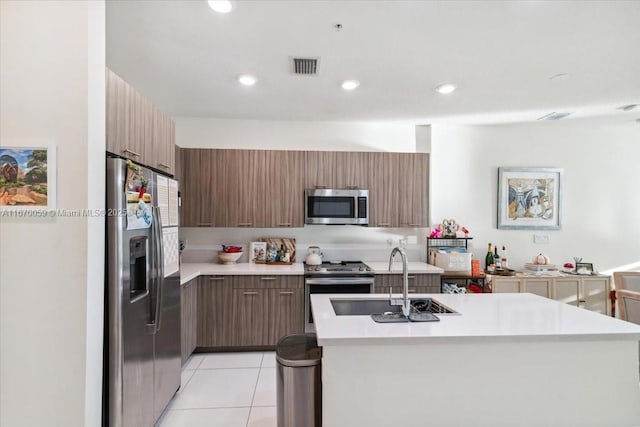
(142, 295)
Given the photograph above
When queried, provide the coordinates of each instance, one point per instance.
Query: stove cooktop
(339, 268)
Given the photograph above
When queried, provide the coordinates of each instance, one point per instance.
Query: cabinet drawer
(268, 281)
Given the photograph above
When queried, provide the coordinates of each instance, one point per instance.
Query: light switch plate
(541, 238)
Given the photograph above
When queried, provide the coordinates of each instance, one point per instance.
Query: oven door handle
(340, 281)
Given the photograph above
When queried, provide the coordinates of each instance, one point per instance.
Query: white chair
(627, 284)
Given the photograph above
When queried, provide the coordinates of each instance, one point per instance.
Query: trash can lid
(298, 350)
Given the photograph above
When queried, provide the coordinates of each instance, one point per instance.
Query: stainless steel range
(344, 277)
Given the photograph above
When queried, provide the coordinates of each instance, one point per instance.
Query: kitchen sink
(365, 307)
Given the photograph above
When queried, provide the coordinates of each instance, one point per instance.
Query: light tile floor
(225, 389)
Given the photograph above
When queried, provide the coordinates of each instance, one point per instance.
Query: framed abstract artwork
(530, 198)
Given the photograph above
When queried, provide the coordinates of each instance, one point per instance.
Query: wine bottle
(488, 260)
(504, 257)
(496, 258)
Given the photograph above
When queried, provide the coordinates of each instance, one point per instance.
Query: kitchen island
(504, 360)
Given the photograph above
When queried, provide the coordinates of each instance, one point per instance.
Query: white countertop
(413, 267)
(189, 271)
(482, 316)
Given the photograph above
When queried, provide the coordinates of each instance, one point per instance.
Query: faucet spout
(406, 308)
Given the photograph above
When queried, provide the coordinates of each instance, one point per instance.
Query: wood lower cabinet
(249, 311)
(418, 283)
(188, 318)
(215, 311)
(540, 287)
(590, 292)
(266, 308)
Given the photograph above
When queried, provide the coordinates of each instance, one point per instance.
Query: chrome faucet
(406, 307)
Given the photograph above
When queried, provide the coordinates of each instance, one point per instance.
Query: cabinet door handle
(250, 293)
(267, 278)
(286, 292)
(133, 153)
(244, 224)
(204, 224)
(216, 278)
(384, 224)
(284, 224)
(411, 277)
(411, 225)
(352, 187)
(319, 187)
(162, 165)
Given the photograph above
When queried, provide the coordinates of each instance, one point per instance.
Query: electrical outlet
(402, 243)
(541, 238)
(389, 242)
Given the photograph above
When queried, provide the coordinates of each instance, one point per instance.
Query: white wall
(51, 273)
(601, 218)
(284, 135)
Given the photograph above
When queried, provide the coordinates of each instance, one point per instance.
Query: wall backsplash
(336, 242)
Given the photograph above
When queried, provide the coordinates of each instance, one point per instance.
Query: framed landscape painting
(27, 177)
(529, 198)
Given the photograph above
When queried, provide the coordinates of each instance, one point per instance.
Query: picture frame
(584, 268)
(530, 198)
(258, 252)
(28, 177)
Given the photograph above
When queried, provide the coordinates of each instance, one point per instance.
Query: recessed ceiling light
(247, 79)
(446, 88)
(350, 84)
(559, 77)
(221, 6)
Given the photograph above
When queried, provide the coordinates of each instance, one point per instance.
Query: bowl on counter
(229, 257)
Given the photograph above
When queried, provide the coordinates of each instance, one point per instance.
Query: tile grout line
(253, 396)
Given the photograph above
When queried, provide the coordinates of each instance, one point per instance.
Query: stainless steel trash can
(298, 381)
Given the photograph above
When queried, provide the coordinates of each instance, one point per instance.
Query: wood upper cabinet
(203, 184)
(163, 139)
(321, 169)
(284, 188)
(413, 189)
(353, 170)
(136, 129)
(383, 190)
(246, 189)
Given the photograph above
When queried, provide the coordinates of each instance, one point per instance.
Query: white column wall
(51, 269)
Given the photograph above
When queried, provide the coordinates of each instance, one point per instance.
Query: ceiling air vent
(554, 116)
(304, 66)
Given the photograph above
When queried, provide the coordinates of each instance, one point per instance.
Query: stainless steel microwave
(336, 206)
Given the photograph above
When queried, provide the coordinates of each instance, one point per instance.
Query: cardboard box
(454, 262)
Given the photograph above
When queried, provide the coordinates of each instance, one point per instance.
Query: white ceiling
(501, 54)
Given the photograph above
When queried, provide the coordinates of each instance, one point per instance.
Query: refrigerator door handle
(159, 256)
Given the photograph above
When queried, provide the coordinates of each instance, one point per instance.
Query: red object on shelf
(474, 289)
(475, 267)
